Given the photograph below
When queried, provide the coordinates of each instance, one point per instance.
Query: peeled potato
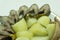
(20, 26)
(22, 38)
(40, 38)
(39, 30)
(31, 21)
(44, 20)
(51, 29)
(27, 34)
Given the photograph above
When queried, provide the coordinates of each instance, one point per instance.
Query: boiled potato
(20, 26)
(37, 29)
(22, 38)
(44, 20)
(31, 21)
(51, 29)
(27, 34)
(40, 38)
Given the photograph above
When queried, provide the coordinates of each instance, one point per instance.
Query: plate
(53, 15)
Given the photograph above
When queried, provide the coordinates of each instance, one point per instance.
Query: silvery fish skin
(33, 10)
(44, 10)
(14, 16)
(56, 35)
(22, 11)
(6, 22)
(1, 37)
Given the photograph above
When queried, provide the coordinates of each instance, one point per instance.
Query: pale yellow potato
(39, 30)
(51, 29)
(40, 38)
(22, 38)
(27, 34)
(31, 21)
(44, 20)
(20, 26)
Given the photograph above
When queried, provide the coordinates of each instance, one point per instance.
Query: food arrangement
(29, 24)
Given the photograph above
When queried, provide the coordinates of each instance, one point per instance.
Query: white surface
(7, 5)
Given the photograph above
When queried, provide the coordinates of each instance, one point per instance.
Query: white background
(7, 5)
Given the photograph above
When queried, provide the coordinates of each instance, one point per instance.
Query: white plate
(52, 15)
